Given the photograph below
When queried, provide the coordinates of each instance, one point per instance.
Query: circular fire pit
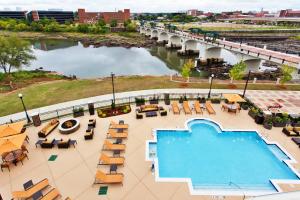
(69, 126)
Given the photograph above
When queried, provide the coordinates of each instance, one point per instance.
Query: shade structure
(233, 98)
(11, 129)
(12, 143)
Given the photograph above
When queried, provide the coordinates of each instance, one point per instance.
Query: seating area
(291, 130)
(49, 144)
(118, 134)
(37, 191)
(150, 110)
(48, 128)
(89, 133)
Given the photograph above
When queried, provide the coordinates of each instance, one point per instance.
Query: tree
(101, 22)
(286, 73)
(14, 53)
(113, 23)
(131, 27)
(237, 71)
(186, 69)
(83, 28)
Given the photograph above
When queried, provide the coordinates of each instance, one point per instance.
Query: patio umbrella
(234, 98)
(11, 129)
(12, 143)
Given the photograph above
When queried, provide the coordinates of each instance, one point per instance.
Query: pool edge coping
(238, 192)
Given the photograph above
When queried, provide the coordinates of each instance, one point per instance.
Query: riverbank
(122, 39)
(39, 95)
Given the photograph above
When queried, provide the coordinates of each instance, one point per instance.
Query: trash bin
(36, 119)
(91, 108)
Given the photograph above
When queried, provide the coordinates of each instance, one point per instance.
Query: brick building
(59, 16)
(93, 17)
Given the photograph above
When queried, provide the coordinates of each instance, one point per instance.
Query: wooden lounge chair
(48, 128)
(102, 178)
(198, 108)
(209, 108)
(51, 195)
(106, 160)
(112, 133)
(289, 131)
(114, 125)
(175, 108)
(31, 191)
(110, 146)
(186, 107)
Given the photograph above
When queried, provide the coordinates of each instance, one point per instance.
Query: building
(59, 16)
(13, 14)
(194, 12)
(289, 13)
(93, 17)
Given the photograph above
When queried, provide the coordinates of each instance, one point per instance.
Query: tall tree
(286, 73)
(237, 71)
(186, 69)
(14, 53)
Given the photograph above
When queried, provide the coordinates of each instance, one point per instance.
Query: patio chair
(198, 107)
(47, 144)
(63, 144)
(112, 133)
(92, 123)
(106, 160)
(102, 178)
(110, 146)
(22, 157)
(32, 190)
(89, 134)
(186, 107)
(209, 108)
(51, 195)
(5, 165)
(175, 108)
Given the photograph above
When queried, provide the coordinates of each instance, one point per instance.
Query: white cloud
(152, 5)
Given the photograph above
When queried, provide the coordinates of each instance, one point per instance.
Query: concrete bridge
(188, 43)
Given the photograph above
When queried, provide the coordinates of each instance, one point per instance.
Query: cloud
(152, 5)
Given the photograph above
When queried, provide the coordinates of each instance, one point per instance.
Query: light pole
(27, 116)
(113, 87)
(211, 81)
(248, 77)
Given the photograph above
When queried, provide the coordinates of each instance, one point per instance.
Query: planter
(153, 101)
(244, 106)
(167, 101)
(109, 112)
(215, 101)
(268, 126)
(259, 118)
(139, 101)
(252, 114)
(279, 124)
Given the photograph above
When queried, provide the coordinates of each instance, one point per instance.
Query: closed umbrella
(11, 129)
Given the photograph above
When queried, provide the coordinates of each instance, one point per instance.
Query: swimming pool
(212, 159)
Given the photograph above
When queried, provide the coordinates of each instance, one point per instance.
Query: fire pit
(69, 126)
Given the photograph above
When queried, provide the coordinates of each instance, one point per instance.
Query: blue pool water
(213, 158)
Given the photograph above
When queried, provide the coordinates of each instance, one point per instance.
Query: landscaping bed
(109, 112)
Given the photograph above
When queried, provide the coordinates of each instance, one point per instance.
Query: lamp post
(113, 87)
(27, 116)
(246, 85)
(211, 80)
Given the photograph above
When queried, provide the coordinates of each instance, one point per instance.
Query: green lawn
(44, 94)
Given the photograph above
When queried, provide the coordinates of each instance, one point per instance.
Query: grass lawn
(43, 94)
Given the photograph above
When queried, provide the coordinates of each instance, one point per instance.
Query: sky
(152, 5)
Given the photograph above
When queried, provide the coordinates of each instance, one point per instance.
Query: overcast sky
(152, 5)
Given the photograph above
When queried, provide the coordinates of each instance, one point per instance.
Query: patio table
(12, 156)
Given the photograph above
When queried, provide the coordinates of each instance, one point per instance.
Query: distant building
(194, 12)
(289, 13)
(93, 17)
(59, 16)
(13, 14)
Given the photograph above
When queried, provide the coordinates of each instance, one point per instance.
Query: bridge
(188, 43)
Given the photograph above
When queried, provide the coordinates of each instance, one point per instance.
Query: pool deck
(72, 173)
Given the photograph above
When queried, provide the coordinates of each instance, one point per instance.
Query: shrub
(2, 76)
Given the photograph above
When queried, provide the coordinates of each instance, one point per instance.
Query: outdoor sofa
(48, 128)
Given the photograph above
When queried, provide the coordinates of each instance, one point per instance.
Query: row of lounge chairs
(48, 144)
(34, 191)
(119, 132)
(197, 107)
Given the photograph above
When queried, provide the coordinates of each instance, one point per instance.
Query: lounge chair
(31, 191)
(110, 146)
(288, 131)
(92, 123)
(48, 128)
(106, 160)
(198, 108)
(114, 125)
(209, 108)
(47, 144)
(51, 195)
(113, 133)
(186, 107)
(297, 141)
(175, 108)
(102, 178)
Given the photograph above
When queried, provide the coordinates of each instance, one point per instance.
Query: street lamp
(248, 77)
(113, 86)
(27, 116)
(211, 80)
